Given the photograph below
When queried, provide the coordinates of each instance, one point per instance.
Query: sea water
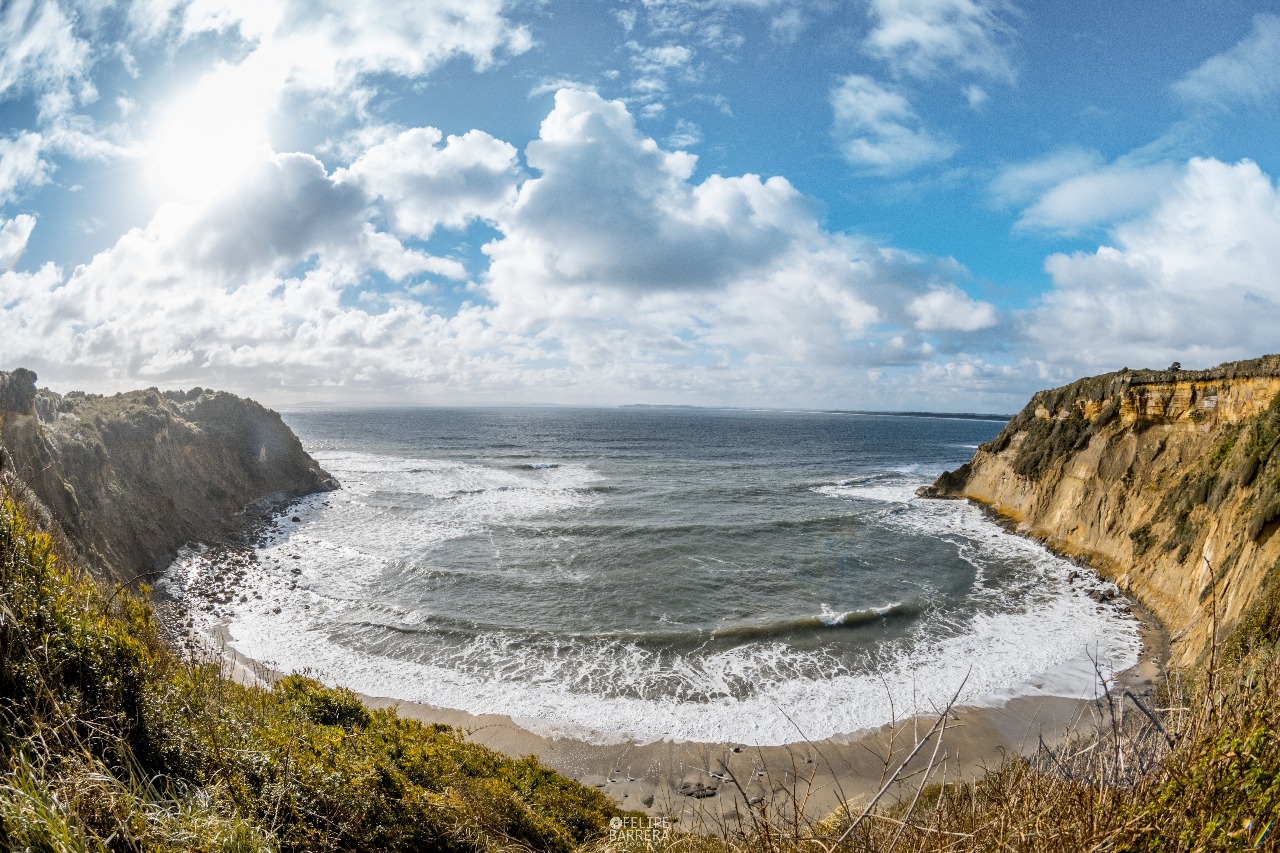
(647, 573)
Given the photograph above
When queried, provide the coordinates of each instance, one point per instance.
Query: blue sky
(881, 204)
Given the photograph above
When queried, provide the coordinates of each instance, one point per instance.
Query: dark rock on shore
(130, 478)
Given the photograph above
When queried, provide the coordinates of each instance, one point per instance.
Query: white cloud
(1247, 73)
(975, 96)
(923, 38)
(877, 130)
(327, 47)
(950, 308)
(615, 277)
(14, 234)
(21, 165)
(627, 18)
(1108, 195)
(283, 213)
(1021, 183)
(787, 26)
(1072, 190)
(42, 54)
(686, 135)
(424, 185)
(656, 65)
(660, 60)
(246, 289)
(617, 256)
(551, 85)
(1197, 280)
(612, 208)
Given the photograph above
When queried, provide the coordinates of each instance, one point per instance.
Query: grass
(109, 741)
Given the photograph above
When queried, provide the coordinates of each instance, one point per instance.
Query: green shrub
(1142, 538)
(109, 742)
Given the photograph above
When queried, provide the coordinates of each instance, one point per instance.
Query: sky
(871, 204)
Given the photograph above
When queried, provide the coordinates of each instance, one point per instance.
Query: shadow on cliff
(133, 477)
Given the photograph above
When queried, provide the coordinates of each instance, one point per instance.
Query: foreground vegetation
(110, 742)
(1199, 772)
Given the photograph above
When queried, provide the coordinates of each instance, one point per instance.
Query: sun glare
(208, 141)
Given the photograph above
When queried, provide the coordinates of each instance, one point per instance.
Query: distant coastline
(968, 416)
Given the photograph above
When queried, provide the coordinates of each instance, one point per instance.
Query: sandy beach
(706, 785)
(709, 786)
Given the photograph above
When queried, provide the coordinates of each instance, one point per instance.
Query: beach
(660, 778)
(711, 786)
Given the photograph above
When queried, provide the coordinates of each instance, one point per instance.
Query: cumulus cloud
(614, 249)
(1072, 190)
(922, 38)
(424, 185)
(281, 214)
(613, 209)
(1248, 73)
(877, 129)
(1197, 280)
(250, 283)
(950, 308)
(615, 275)
(14, 234)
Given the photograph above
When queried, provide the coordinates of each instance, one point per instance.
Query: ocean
(646, 573)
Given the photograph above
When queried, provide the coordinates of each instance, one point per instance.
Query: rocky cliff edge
(1168, 482)
(131, 478)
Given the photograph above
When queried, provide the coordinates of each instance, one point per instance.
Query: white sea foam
(894, 491)
(831, 618)
(1025, 650)
(1040, 635)
(448, 500)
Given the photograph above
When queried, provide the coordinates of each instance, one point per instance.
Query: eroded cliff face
(1167, 482)
(133, 477)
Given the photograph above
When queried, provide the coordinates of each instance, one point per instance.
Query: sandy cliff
(1166, 481)
(132, 477)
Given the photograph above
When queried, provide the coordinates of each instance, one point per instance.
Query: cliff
(1166, 481)
(131, 478)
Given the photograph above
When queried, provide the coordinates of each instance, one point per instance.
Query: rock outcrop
(1168, 482)
(131, 478)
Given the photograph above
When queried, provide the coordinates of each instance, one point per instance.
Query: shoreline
(715, 787)
(661, 778)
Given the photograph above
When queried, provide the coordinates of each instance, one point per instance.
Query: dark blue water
(711, 575)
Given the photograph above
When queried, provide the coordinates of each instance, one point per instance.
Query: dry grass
(1198, 771)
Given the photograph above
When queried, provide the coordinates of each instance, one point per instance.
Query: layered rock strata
(1168, 482)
